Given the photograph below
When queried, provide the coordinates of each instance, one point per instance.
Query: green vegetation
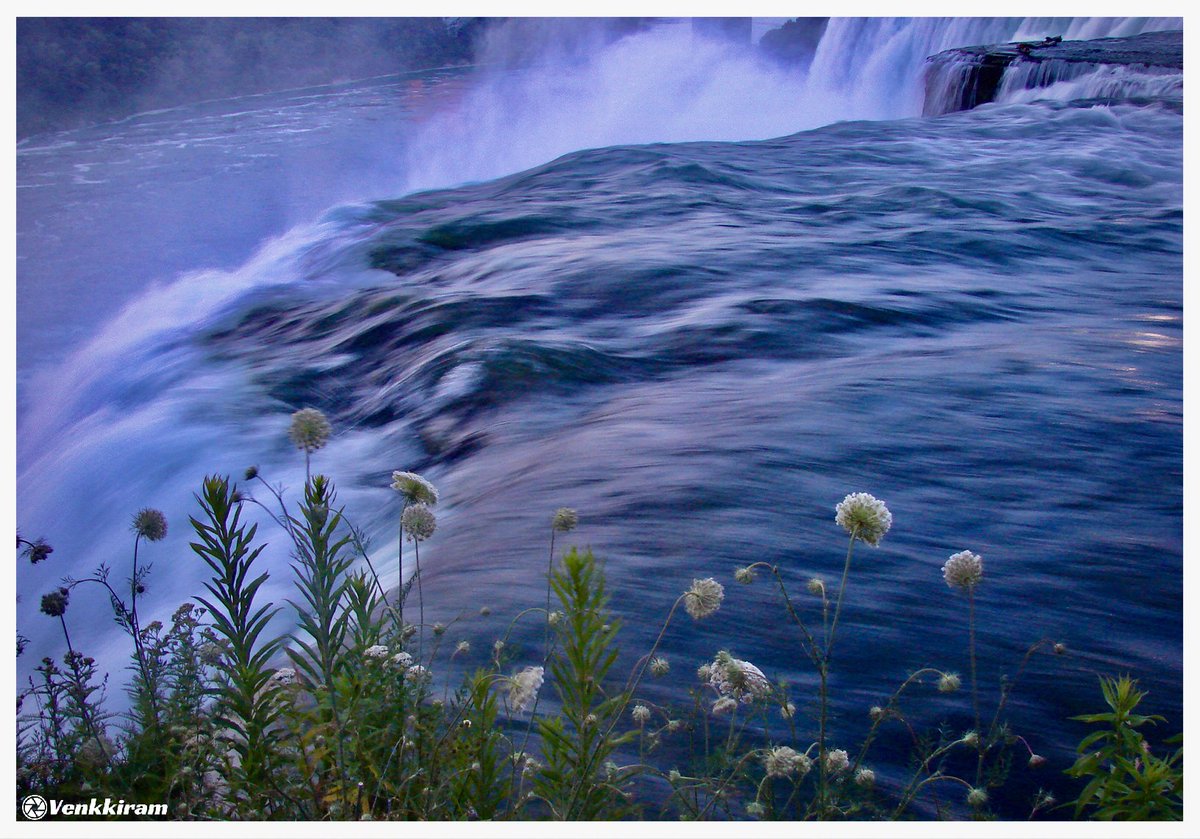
(218, 727)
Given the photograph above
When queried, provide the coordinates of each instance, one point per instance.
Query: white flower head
(640, 714)
(743, 575)
(402, 659)
(864, 517)
(949, 682)
(462, 648)
(309, 430)
(418, 522)
(416, 672)
(837, 761)
(963, 570)
(565, 520)
(704, 672)
(414, 488)
(788, 710)
(284, 677)
(376, 651)
(738, 679)
(659, 666)
(784, 762)
(523, 688)
(724, 705)
(816, 587)
(754, 808)
(865, 777)
(703, 598)
(977, 797)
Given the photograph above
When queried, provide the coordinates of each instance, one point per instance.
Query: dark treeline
(77, 71)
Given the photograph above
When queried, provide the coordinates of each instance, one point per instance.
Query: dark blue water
(703, 347)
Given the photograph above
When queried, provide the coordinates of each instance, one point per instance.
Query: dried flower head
(309, 430)
(150, 524)
(787, 710)
(54, 604)
(876, 713)
(283, 677)
(864, 517)
(554, 618)
(640, 714)
(738, 679)
(414, 488)
(439, 629)
(755, 809)
(837, 761)
(659, 667)
(724, 705)
(251, 473)
(971, 738)
(704, 672)
(785, 762)
(949, 682)
(418, 522)
(977, 797)
(565, 520)
(743, 575)
(38, 551)
(816, 587)
(865, 777)
(523, 688)
(963, 570)
(703, 598)
(462, 648)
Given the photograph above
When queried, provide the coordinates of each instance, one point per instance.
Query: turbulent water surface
(701, 346)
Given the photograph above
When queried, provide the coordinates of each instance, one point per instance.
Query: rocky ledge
(962, 78)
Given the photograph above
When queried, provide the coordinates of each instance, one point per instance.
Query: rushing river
(697, 327)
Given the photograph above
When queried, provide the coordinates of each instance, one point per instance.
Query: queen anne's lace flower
(865, 777)
(402, 659)
(418, 522)
(523, 688)
(784, 762)
(949, 682)
(376, 651)
(743, 575)
(309, 430)
(864, 517)
(837, 761)
(659, 666)
(963, 570)
(738, 679)
(414, 488)
(565, 520)
(703, 598)
(150, 524)
(640, 714)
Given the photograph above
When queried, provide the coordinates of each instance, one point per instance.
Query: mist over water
(800, 289)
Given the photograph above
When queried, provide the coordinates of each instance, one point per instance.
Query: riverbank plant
(355, 714)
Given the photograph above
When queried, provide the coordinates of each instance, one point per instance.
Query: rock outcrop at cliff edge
(964, 77)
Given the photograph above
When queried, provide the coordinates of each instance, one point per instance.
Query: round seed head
(963, 570)
(864, 517)
(309, 430)
(565, 520)
(150, 524)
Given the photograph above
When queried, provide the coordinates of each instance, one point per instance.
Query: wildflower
(414, 488)
(418, 522)
(640, 714)
(565, 520)
(150, 523)
(439, 629)
(497, 647)
(54, 604)
(971, 738)
(703, 598)
(523, 688)
(1060, 648)
(949, 682)
(673, 726)
(310, 430)
(864, 517)
(788, 710)
(38, 551)
(837, 761)
(659, 666)
(704, 672)
(532, 765)
(416, 672)
(865, 777)
(963, 570)
(755, 809)
(283, 677)
(977, 797)
(408, 631)
(554, 617)
(462, 648)
(674, 776)
(1035, 761)
(738, 679)
(816, 587)
(743, 575)
(400, 659)
(251, 473)
(724, 705)
(590, 720)
(376, 651)
(876, 713)
(783, 762)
